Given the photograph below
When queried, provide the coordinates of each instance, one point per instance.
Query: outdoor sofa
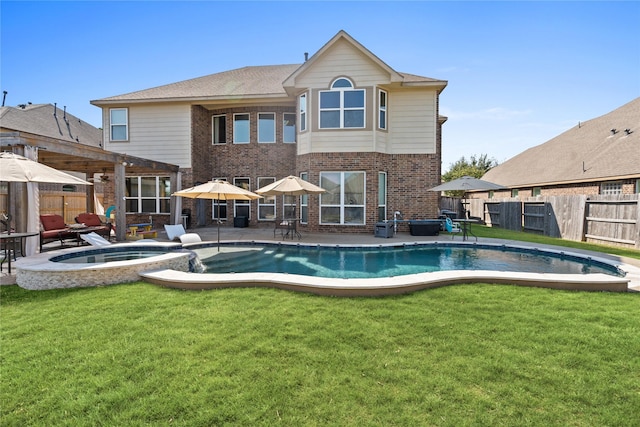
(94, 221)
(54, 229)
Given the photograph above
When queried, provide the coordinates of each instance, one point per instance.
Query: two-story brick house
(344, 120)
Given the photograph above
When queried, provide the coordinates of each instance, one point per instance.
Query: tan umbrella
(290, 186)
(217, 190)
(16, 168)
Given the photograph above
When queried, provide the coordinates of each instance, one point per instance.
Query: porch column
(121, 216)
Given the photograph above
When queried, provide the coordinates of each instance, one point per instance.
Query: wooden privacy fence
(607, 219)
(69, 205)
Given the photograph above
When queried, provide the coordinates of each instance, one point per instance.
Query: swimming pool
(389, 261)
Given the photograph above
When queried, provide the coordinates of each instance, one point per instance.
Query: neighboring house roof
(590, 151)
(250, 82)
(39, 119)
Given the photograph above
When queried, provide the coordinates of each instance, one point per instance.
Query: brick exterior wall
(408, 176)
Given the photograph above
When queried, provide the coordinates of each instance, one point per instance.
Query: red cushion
(52, 222)
(89, 219)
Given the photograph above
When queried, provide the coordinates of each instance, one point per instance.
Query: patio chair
(190, 238)
(94, 239)
(174, 231)
(452, 227)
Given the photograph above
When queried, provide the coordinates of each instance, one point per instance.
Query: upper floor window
(118, 122)
(382, 109)
(611, 188)
(241, 129)
(289, 127)
(303, 112)
(219, 126)
(342, 106)
(266, 127)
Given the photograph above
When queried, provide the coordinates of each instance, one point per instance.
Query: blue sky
(519, 73)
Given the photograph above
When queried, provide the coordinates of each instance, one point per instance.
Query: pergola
(75, 157)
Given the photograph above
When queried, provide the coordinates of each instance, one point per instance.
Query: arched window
(342, 106)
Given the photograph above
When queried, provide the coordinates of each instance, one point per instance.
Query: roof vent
(306, 56)
(628, 131)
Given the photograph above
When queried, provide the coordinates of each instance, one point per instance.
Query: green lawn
(481, 355)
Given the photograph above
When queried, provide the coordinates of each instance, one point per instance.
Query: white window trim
(242, 202)
(284, 127)
(385, 109)
(303, 112)
(342, 204)
(383, 204)
(140, 197)
(342, 109)
(234, 128)
(264, 181)
(304, 201)
(273, 137)
(216, 202)
(126, 125)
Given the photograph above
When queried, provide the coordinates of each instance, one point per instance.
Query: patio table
(9, 242)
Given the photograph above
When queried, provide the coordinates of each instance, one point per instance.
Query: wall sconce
(614, 131)
(628, 131)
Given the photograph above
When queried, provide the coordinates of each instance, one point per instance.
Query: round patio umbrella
(466, 183)
(217, 190)
(290, 186)
(16, 168)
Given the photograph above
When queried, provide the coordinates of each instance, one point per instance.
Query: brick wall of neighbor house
(408, 176)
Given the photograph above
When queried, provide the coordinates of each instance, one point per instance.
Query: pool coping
(399, 284)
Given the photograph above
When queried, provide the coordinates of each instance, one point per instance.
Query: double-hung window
(382, 196)
(147, 194)
(382, 109)
(288, 128)
(344, 201)
(219, 206)
(242, 207)
(342, 106)
(241, 132)
(304, 202)
(267, 204)
(266, 127)
(219, 127)
(303, 112)
(118, 122)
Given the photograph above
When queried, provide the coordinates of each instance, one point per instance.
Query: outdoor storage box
(384, 229)
(425, 227)
(240, 221)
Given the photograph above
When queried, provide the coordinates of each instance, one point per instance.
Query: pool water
(372, 262)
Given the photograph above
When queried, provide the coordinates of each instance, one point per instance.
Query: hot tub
(425, 227)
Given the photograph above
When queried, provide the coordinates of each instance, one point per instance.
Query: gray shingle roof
(254, 81)
(587, 152)
(246, 81)
(38, 119)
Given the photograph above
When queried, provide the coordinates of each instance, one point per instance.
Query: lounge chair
(174, 231)
(177, 232)
(452, 227)
(94, 239)
(190, 238)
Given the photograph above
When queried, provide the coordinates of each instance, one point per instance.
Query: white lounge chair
(174, 231)
(95, 239)
(190, 238)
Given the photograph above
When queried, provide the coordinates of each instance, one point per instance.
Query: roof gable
(590, 151)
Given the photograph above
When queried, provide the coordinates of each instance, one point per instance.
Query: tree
(475, 167)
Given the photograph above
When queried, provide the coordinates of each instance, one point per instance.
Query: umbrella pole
(218, 222)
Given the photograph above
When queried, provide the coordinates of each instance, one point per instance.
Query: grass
(500, 233)
(467, 355)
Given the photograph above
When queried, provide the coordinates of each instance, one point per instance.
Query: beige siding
(157, 132)
(342, 60)
(412, 122)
